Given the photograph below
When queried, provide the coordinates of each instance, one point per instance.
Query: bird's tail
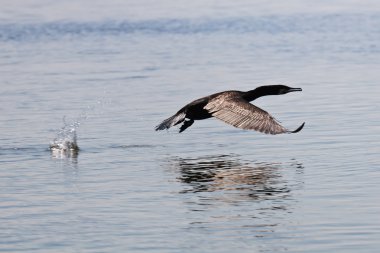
(172, 121)
(298, 129)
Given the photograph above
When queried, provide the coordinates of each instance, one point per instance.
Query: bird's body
(232, 107)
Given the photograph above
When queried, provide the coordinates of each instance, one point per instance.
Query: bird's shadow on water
(229, 195)
(237, 180)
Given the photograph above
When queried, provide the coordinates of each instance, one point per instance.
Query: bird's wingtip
(160, 127)
(298, 129)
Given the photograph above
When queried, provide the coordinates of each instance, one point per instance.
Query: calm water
(114, 70)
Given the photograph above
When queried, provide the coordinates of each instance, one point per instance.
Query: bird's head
(277, 89)
(283, 89)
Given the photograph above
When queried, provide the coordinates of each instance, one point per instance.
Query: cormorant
(233, 107)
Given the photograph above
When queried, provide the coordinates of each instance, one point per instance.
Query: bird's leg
(180, 121)
(186, 124)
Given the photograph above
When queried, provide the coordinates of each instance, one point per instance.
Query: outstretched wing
(240, 113)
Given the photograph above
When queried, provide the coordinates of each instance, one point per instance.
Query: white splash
(66, 140)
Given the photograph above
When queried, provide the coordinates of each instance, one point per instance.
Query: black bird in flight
(232, 107)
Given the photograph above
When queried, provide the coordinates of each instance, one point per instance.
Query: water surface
(115, 71)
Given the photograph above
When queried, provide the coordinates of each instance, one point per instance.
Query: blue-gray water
(114, 70)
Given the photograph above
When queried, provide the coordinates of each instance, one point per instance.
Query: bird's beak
(294, 89)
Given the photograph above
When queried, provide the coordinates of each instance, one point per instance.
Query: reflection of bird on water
(233, 108)
(225, 173)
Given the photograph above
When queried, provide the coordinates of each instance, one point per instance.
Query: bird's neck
(256, 93)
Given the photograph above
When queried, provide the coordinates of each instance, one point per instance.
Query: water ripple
(343, 23)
